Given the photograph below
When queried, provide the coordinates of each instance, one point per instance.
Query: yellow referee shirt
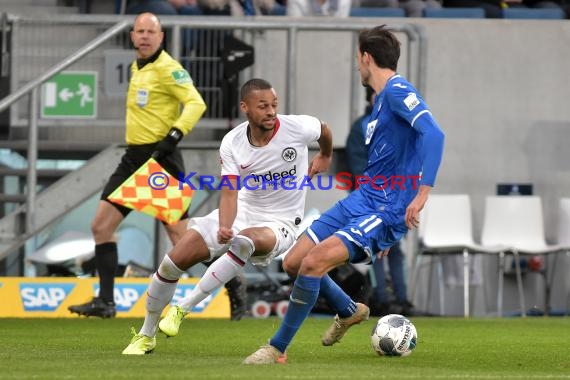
(155, 95)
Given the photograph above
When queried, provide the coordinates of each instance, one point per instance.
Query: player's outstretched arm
(322, 160)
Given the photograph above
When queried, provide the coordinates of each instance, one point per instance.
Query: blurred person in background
(308, 8)
(413, 8)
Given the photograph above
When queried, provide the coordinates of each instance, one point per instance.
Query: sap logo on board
(44, 297)
(126, 295)
(185, 290)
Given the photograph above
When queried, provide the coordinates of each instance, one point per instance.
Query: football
(394, 335)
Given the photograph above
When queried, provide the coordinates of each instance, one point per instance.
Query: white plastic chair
(517, 222)
(564, 222)
(446, 229)
(564, 237)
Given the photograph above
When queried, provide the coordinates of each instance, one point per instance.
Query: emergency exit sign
(70, 94)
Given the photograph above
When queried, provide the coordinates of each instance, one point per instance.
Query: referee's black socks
(107, 260)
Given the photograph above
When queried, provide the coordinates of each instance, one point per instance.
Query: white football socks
(242, 247)
(221, 271)
(159, 294)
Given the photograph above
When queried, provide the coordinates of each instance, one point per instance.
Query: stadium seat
(446, 229)
(516, 222)
(564, 238)
(534, 13)
(564, 222)
(376, 12)
(454, 13)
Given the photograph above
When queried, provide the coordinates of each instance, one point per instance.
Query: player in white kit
(264, 162)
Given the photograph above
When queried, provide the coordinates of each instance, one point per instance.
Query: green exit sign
(70, 94)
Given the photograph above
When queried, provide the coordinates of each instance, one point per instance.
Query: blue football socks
(301, 302)
(336, 297)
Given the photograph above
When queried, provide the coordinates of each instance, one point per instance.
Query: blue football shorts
(364, 234)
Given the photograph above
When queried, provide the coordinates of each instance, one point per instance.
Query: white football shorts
(208, 225)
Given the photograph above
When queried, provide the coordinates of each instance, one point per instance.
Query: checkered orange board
(151, 190)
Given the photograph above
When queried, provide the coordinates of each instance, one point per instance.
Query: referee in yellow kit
(155, 123)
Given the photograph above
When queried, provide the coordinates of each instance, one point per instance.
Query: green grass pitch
(448, 348)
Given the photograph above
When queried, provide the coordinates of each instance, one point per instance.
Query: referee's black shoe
(95, 308)
(237, 292)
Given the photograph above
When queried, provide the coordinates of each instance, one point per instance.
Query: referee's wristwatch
(175, 133)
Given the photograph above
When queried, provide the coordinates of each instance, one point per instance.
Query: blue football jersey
(405, 148)
(394, 145)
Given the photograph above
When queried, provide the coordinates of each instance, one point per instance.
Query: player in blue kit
(405, 148)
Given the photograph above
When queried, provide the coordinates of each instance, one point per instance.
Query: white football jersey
(270, 176)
